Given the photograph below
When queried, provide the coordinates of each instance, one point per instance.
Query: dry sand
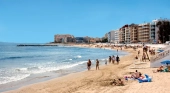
(99, 81)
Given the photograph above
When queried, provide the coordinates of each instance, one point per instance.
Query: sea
(20, 66)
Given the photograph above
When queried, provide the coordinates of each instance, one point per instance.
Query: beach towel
(146, 79)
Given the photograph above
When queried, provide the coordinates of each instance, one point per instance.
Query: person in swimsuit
(117, 59)
(97, 64)
(110, 59)
(113, 59)
(89, 64)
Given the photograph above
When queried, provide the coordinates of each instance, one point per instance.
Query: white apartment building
(153, 31)
(116, 40)
(111, 36)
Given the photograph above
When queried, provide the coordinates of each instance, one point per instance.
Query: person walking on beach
(113, 59)
(97, 64)
(110, 59)
(89, 64)
(117, 59)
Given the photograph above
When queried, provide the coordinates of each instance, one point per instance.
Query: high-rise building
(144, 33)
(122, 34)
(133, 33)
(127, 34)
(116, 37)
(111, 36)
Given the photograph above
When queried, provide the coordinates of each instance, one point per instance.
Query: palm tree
(163, 30)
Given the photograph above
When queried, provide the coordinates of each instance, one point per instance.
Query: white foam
(21, 69)
(4, 80)
(79, 56)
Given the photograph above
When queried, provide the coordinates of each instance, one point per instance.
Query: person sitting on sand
(120, 82)
(114, 82)
(136, 74)
(160, 69)
(89, 64)
(141, 77)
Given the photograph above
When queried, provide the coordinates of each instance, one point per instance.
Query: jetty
(37, 45)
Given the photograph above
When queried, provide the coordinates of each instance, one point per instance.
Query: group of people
(111, 59)
(118, 82)
(89, 64)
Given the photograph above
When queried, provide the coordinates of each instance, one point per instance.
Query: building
(122, 34)
(79, 39)
(153, 32)
(116, 37)
(66, 38)
(133, 28)
(111, 36)
(144, 33)
(127, 34)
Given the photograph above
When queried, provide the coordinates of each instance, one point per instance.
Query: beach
(99, 81)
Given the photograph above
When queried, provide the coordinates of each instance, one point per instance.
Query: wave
(18, 57)
(7, 79)
(42, 69)
(78, 56)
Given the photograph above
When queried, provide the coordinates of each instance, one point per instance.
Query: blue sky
(37, 21)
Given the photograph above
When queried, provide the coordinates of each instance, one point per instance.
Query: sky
(37, 21)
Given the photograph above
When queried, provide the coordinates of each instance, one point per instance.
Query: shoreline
(33, 79)
(84, 71)
(92, 81)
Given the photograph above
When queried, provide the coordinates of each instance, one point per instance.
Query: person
(105, 61)
(113, 82)
(89, 64)
(141, 77)
(160, 69)
(97, 64)
(136, 74)
(113, 59)
(136, 57)
(120, 82)
(110, 59)
(117, 59)
(138, 53)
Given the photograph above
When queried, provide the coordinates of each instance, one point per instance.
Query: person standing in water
(97, 64)
(89, 64)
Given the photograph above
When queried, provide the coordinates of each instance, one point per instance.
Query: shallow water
(30, 64)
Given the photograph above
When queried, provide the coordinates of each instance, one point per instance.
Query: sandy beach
(99, 81)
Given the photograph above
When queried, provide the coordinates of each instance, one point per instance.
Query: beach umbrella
(165, 62)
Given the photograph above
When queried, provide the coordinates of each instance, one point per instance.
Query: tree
(163, 30)
(104, 40)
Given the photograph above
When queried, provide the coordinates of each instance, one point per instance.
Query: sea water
(18, 63)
